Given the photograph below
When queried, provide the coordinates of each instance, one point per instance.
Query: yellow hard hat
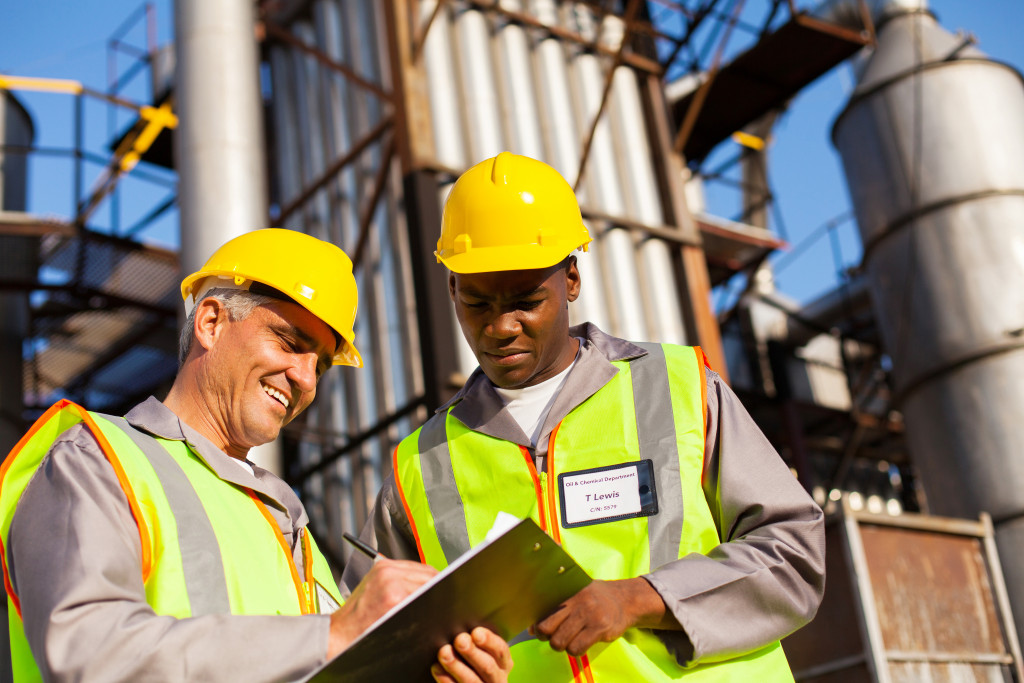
(509, 213)
(315, 274)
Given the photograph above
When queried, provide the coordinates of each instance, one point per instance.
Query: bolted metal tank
(932, 144)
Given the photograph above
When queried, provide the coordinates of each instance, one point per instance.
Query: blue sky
(69, 39)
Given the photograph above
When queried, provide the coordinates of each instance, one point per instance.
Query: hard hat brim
(495, 259)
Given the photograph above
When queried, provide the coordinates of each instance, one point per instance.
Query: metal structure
(376, 107)
(938, 199)
(909, 598)
(18, 260)
(373, 108)
(101, 312)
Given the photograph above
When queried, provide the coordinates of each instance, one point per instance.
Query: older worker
(636, 457)
(147, 548)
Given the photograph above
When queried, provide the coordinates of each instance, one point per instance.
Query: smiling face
(517, 321)
(257, 374)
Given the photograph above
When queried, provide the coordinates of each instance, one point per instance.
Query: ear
(572, 280)
(209, 322)
(451, 285)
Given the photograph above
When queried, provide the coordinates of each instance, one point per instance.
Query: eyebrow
(309, 341)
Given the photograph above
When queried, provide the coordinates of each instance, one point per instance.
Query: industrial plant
(896, 398)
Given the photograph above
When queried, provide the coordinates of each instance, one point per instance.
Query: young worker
(636, 457)
(147, 548)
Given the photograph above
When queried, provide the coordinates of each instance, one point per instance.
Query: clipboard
(506, 584)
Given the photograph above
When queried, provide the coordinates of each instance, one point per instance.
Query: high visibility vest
(453, 481)
(232, 558)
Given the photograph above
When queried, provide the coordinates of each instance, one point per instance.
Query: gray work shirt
(75, 561)
(763, 582)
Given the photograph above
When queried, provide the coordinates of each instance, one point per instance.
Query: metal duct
(660, 298)
(446, 115)
(220, 156)
(515, 83)
(447, 123)
(561, 146)
(612, 248)
(933, 150)
(477, 79)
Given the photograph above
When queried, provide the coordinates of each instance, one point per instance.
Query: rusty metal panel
(907, 599)
(932, 592)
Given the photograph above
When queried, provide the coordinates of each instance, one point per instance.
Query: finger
(582, 642)
(437, 671)
(483, 661)
(455, 667)
(494, 645)
(440, 675)
(567, 631)
(549, 624)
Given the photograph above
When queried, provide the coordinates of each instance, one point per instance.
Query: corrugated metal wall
(493, 83)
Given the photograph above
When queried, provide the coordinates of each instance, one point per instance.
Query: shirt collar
(153, 417)
(478, 406)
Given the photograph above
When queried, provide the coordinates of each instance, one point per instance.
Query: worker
(147, 547)
(636, 457)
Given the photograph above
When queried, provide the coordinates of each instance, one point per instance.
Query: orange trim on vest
(576, 678)
(702, 367)
(532, 469)
(303, 602)
(36, 426)
(405, 504)
(552, 482)
(115, 463)
(7, 582)
(703, 358)
(586, 668)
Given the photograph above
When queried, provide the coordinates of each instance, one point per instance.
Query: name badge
(606, 494)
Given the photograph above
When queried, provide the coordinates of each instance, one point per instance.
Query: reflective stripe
(443, 497)
(202, 565)
(656, 432)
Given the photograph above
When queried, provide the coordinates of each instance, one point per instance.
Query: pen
(361, 547)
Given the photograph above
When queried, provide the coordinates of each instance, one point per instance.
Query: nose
(302, 373)
(504, 326)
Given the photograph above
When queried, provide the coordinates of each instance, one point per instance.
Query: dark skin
(517, 324)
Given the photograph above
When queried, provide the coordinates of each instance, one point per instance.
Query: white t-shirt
(529, 406)
(244, 464)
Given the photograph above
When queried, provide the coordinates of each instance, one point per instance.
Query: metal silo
(932, 142)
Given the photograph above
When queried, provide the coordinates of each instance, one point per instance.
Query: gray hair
(238, 303)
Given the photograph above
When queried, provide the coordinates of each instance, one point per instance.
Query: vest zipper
(538, 488)
(312, 599)
(546, 499)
